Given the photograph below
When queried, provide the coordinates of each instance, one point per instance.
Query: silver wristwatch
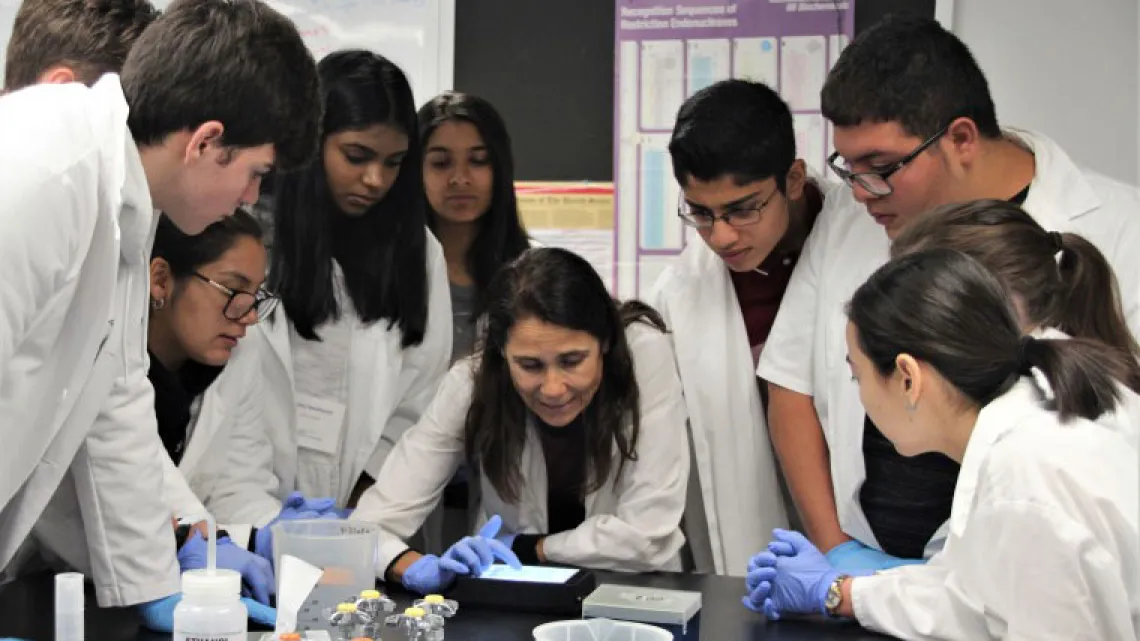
(834, 594)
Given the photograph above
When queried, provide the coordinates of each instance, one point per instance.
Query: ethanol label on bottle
(182, 636)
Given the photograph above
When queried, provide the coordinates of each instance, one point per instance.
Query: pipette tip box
(673, 610)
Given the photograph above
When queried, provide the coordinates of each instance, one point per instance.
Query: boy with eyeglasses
(752, 202)
(914, 128)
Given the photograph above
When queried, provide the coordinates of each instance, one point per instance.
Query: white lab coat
(262, 465)
(81, 453)
(806, 351)
(632, 522)
(233, 397)
(735, 468)
(1043, 538)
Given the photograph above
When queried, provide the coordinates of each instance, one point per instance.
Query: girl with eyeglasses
(205, 293)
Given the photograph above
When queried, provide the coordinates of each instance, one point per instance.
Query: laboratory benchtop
(26, 612)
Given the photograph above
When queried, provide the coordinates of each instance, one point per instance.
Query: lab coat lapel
(277, 329)
(373, 363)
(1059, 191)
(727, 423)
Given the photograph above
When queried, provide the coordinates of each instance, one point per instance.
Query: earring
(911, 406)
(157, 303)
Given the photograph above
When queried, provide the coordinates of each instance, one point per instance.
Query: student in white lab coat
(914, 127)
(84, 170)
(469, 181)
(1044, 539)
(572, 417)
(205, 292)
(355, 351)
(752, 202)
(1061, 284)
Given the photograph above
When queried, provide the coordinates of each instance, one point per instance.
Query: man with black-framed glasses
(750, 203)
(914, 127)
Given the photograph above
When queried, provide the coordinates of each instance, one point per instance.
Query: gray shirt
(462, 326)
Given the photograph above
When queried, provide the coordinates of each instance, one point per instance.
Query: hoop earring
(157, 303)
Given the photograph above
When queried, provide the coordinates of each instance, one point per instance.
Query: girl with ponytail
(1043, 531)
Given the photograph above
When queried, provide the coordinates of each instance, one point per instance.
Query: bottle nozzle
(212, 544)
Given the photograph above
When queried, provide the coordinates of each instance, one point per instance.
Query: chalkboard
(549, 68)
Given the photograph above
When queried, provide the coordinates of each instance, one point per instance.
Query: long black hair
(558, 287)
(383, 252)
(501, 236)
(944, 308)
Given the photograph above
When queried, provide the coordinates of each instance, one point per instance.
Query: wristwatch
(834, 594)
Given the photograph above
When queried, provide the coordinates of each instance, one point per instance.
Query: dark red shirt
(759, 295)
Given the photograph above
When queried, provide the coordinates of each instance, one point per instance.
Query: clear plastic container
(599, 630)
(345, 550)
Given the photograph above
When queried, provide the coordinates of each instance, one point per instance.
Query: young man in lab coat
(914, 127)
(60, 41)
(752, 202)
(85, 169)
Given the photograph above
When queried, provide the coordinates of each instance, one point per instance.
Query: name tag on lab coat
(319, 423)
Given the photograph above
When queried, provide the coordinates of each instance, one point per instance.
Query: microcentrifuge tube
(345, 619)
(372, 608)
(416, 624)
(440, 607)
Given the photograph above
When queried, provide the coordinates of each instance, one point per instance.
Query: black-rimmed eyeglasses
(875, 181)
(702, 218)
(241, 303)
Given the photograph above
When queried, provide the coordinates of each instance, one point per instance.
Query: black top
(905, 498)
(564, 449)
(174, 392)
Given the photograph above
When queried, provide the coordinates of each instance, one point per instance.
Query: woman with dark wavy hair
(572, 418)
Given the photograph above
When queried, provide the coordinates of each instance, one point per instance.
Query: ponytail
(944, 308)
(1090, 302)
(1082, 372)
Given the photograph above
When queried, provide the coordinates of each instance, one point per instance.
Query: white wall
(1068, 68)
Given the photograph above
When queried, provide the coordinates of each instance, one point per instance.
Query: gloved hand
(792, 576)
(470, 556)
(478, 552)
(256, 572)
(295, 507)
(159, 615)
(854, 556)
(431, 574)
